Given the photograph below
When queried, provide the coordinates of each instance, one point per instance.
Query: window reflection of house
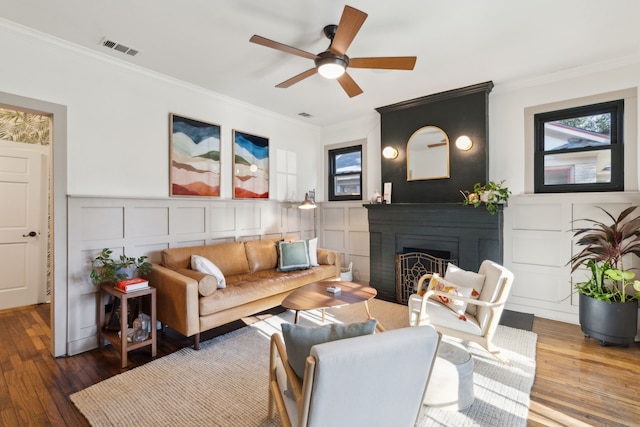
(575, 167)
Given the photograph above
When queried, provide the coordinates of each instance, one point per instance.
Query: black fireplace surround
(469, 234)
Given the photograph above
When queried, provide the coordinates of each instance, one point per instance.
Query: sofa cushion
(204, 265)
(231, 258)
(293, 255)
(327, 257)
(261, 254)
(299, 339)
(246, 288)
(207, 284)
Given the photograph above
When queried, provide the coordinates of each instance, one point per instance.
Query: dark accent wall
(457, 112)
(469, 234)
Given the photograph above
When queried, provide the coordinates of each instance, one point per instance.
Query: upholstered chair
(371, 380)
(463, 304)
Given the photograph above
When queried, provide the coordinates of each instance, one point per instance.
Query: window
(345, 173)
(579, 149)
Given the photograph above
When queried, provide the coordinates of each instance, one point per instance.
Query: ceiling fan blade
(387, 63)
(281, 47)
(349, 85)
(295, 79)
(349, 25)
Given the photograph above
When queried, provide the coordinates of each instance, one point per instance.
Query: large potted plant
(609, 297)
(109, 270)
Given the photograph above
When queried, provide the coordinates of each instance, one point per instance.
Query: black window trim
(616, 108)
(332, 155)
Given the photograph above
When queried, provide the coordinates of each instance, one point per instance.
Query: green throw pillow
(293, 255)
(299, 339)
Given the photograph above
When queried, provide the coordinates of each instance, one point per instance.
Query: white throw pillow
(467, 279)
(458, 306)
(203, 265)
(313, 252)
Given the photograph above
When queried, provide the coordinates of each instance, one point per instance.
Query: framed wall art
(250, 166)
(195, 157)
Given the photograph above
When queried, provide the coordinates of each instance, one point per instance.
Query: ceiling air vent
(305, 115)
(117, 46)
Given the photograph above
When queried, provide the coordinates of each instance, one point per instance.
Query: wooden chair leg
(270, 413)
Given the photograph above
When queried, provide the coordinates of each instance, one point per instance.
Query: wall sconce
(390, 153)
(464, 143)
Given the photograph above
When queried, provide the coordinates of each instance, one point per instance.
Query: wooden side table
(121, 342)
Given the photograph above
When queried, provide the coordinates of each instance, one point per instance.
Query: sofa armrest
(176, 300)
(329, 257)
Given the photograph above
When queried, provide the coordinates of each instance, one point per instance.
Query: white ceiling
(457, 42)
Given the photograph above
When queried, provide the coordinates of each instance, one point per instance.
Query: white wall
(508, 101)
(118, 118)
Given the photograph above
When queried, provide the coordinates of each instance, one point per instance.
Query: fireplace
(412, 264)
(467, 234)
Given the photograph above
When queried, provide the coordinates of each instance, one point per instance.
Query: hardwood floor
(577, 381)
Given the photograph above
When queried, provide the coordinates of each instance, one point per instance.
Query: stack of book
(131, 285)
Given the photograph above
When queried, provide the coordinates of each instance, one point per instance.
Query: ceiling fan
(333, 62)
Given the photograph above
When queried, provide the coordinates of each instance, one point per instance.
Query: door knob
(31, 234)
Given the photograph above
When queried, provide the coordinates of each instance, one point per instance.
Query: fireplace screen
(413, 265)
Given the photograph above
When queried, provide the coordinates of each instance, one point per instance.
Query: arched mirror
(428, 154)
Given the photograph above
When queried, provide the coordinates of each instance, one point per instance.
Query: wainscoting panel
(360, 268)
(223, 219)
(189, 220)
(187, 243)
(359, 243)
(358, 219)
(540, 247)
(544, 216)
(148, 222)
(543, 284)
(334, 217)
(335, 239)
(98, 223)
(541, 243)
(345, 228)
(137, 227)
(249, 218)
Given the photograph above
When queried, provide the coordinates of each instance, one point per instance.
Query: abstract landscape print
(195, 157)
(250, 166)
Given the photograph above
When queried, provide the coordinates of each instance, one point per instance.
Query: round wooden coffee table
(315, 296)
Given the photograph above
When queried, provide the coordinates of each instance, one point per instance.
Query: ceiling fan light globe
(331, 71)
(329, 66)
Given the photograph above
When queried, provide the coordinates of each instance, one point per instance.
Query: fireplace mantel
(469, 234)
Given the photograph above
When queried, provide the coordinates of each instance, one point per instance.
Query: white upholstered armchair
(371, 380)
(453, 308)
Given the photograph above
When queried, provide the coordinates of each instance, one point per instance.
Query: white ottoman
(451, 383)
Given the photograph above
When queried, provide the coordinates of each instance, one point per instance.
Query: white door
(21, 263)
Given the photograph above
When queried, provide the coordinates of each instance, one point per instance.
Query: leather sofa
(253, 283)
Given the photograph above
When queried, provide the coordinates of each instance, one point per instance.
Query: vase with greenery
(608, 298)
(105, 269)
(492, 195)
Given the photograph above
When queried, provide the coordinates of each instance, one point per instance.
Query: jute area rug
(225, 383)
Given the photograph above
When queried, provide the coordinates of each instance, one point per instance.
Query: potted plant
(105, 269)
(492, 194)
(608, 298)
